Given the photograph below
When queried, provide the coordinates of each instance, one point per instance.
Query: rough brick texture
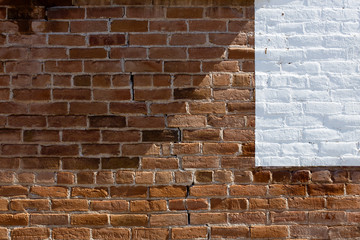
(127, 119)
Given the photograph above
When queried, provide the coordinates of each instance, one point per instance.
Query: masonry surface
(126, 119)
(307, 81)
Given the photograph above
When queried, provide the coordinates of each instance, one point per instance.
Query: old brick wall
(126, 119)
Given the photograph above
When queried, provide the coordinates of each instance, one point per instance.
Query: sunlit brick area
(127, 119)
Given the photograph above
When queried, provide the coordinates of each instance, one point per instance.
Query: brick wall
(135, 120)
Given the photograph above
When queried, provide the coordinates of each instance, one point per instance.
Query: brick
(4, 205)
(174, 107)
(223, 66)
(344, 232)
(12, 108)
(306, 203)
(111, 233)
(116, 107)
(225, 12)
(288, 217)
(168, 191)
(129, 191)
(207, 25)
(89, 192)
(84, 53)
(241, 53)
(71, 233)
(248, 218)
(40, 163)
(154, 94)
(148, 206)
(309, 231)
(106, 40)
(220, 148)
(325, 189)
(89, 219)
(200, 162)
(129, 220)
(107, 121)
(143, 66)
(168, 219)
(228, 203)
(208, 190)
(119, 162)
(48, 219)
(160, 136)
(80, 163)
(20, 219)
(30, 232)
(103, 66)
(201, 134)
(228, 38)
(291, 190)
(342, 203)
(10, 135)
(88, 108)
(168, 26)
(66, 13)
(207, 218)
(31, 95)
(163, 177)
(129, 26)
(30, 204)
(24, 150)
(186, 121)
(104, 12)
(101, 81)
(321, 176)
(100, 149)
(110, 205)
(140, 149)
(48, 53)
(147, 39)
(189, 233)
(269, 231)
(150, 233)
(104, 177)
(88, 26)
(206, 53)
(146, 122)
(80, 136)
(301, 176)
(130, 52)
(69, 205)
(230, 232)
(49, 26)
(65, 178)
(145, 12)
(328, 217)
(67, 40)
(159, 163)
(182, 66)
(241, 26)
(64, 150)
(49, 191)
(9, 163)
(40, 136)
(247, 190)
(63, 66)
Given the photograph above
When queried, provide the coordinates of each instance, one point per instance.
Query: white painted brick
(307, 82)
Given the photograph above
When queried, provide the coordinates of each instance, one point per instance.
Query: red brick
(168, 191)
(100, 149)
(291, 190)
(129, 191)
(67, 40)
(24, 150)
(129, 220)
(30, 233)
(49, 191)
(159, 163)
(150, 233)
(225, 12)
(207, 218)
(30, 204)
(184, 13)
(228, 204)
(10, 135)
(327, 217)
(343, 232)
(89, 219)
(83, 53)
(48, 219)
(208, 190)
(304, 231)
(189, 233)
(71, 233)
(65, 150)
(104, 12)
(248, 218)
(145, 12)
(168, 219)
(247, 190)
(49, 26)
(69, 205)
(12, 108)
(343, 203)
(288, 217)
(88, 108)
(306, 203)
(40, 163)
(130, 52)
(230, 232)
(102, 66)
(167, 53)
(187, 39)
(89, 192)
(207, 25)
(168, 26)
(200, 162)
(129, 26)
(147, 206)
(269, 231)
(220, 148)
(80, 135)
(88, 26)
(147, 39)
(106, 40)
(63, 66)
(20, 219)
(110, 205)
(41, 136)
(326, 189)
(66, 13)
(31, 95)
(111, 233)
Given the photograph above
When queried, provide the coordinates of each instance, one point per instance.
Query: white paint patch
(307, 82)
